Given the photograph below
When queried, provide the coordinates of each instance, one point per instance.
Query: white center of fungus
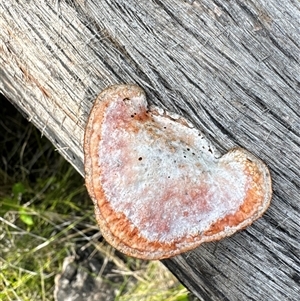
(162, 173)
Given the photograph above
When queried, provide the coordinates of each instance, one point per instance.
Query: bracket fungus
(158, 186)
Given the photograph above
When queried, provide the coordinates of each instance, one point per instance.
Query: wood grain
(230, 67)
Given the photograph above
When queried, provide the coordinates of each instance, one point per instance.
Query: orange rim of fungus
(130, 146)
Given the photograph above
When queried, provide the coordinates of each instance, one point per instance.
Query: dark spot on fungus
(140, 158)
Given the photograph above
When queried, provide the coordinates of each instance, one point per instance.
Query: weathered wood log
(230, 67)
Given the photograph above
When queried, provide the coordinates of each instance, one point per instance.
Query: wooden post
(230, 67)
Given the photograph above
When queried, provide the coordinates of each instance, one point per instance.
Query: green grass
(46, 214)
